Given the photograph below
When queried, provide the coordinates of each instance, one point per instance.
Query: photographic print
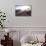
(23, 10)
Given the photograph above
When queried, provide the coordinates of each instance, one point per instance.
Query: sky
(23, 7)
